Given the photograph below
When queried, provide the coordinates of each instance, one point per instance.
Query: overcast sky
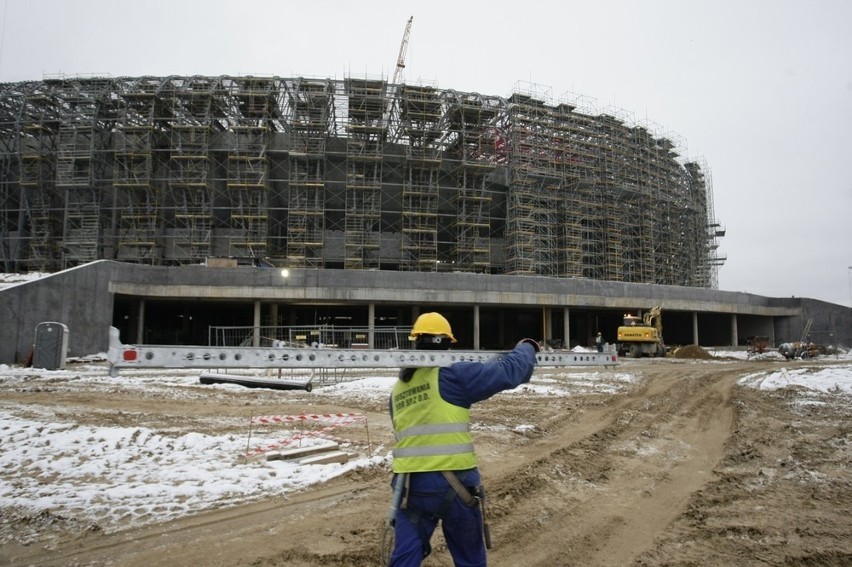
(760, 90)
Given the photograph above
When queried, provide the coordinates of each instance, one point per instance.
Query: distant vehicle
(643, 336)
(791, 351)
(757, 344)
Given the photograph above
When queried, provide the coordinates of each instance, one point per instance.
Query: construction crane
(403, 47)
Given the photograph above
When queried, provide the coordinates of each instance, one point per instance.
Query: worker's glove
(531, 342)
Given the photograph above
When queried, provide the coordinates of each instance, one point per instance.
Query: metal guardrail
(310, 336)
(161, 356)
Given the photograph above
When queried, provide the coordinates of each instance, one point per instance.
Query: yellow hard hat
(431, 324)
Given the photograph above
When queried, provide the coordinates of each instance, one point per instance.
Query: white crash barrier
(162, 356)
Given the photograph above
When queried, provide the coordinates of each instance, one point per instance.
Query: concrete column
(566, 323)
(734, 338)
(476, 327)
(371, 325)
(695, 327)
(273, 315)
(256, 340)
(547, 324)
(140, 323)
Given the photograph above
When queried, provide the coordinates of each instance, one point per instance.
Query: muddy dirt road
(680, 467)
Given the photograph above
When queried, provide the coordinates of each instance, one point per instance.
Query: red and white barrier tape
(334, 419)
(297, 437)
(302, 417)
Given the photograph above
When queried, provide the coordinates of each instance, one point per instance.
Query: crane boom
(403, 48)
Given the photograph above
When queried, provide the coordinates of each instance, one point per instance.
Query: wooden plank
(301, 452)
(324, 459)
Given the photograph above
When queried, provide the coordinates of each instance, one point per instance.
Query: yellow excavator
(642, 336)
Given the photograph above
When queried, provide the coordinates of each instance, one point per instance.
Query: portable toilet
(51, 346)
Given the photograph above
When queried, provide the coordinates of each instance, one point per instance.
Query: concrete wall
(832, 324)
(78, 298)
(82, 299)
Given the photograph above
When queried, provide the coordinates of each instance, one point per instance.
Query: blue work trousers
(462, 527)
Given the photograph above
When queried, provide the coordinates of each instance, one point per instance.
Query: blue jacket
(465, 383)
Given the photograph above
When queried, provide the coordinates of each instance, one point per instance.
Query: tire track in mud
(620, 476)
(781, 495)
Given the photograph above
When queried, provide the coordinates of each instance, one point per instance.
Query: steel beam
(163, 356)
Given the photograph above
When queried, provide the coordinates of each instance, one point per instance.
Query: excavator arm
(654, 318)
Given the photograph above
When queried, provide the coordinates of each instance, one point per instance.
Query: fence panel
(386, 338)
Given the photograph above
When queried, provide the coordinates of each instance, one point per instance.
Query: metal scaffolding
(309, 106)
(536, 186)
(420, 114)
(473, 141)
(85, 111)
(136, 162)
(29, 156)
(257, 102)
(367, 131)
(354, 173)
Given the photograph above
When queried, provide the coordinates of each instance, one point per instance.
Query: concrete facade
(84, 298)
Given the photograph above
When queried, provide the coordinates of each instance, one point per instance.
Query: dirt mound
(691, 351)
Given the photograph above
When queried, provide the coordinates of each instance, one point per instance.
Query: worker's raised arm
(465, 383)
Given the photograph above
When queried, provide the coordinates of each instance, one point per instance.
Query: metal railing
(311, 336)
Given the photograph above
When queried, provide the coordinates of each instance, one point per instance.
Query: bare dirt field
(680, 467)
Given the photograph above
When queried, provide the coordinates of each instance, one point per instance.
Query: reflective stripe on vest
(432, 434)
(433, 428)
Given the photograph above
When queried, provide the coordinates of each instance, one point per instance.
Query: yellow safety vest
(431, 433)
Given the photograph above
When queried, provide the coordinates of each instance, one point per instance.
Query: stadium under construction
(514, 214)
(353, 174)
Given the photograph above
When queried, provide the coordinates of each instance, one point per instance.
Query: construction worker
(434, 455)
(599, 342)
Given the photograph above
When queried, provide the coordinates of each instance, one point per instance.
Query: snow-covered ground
(832, 380)
(134, 475)
(7, 280)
